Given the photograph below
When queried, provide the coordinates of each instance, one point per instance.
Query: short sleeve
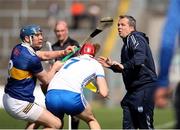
(99, 70)
(35, 65)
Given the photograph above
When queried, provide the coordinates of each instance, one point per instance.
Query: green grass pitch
(109, 118)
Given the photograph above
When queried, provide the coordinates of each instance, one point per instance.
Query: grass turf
(109, 118)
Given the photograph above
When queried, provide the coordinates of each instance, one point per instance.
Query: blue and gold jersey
(23, 64)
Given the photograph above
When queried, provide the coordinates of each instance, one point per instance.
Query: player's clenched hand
(106, 62)
(69, 49)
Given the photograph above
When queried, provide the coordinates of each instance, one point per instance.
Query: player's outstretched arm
(106, 62)
(48, 55)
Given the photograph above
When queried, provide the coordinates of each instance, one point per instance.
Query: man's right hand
(106, 62)
(162, 96)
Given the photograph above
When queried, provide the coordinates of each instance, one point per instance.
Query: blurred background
(150, 16)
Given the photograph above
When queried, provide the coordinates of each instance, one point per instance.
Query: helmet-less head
(32, 34)
(88, 48)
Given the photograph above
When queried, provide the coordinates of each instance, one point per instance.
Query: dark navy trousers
(138, 107)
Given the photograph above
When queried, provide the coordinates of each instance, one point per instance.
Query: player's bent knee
(56, 123)
(90, 118)
(49, 120)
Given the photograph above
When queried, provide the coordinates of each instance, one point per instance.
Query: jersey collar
(28, 47)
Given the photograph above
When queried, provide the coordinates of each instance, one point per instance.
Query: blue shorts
(60, 102)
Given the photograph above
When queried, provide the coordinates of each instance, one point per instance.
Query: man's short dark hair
(132, 21)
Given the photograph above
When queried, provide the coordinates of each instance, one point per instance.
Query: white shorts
(20, 109)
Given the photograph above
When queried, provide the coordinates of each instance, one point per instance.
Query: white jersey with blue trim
(76, 73)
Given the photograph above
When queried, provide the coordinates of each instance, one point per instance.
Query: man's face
(61, 32)
(37, 40)
(123, 27)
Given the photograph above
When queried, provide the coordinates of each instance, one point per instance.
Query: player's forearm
(46, 76)
(103, 88)
(48, 55)
(56, 66)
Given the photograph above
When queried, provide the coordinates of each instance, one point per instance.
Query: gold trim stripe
(28, 108)
(110, 41)
(19, 74)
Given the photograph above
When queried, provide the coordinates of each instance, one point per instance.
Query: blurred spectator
(170, 35)
(53, 12)
(78, 12)
(61, 31)
(94, 12)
